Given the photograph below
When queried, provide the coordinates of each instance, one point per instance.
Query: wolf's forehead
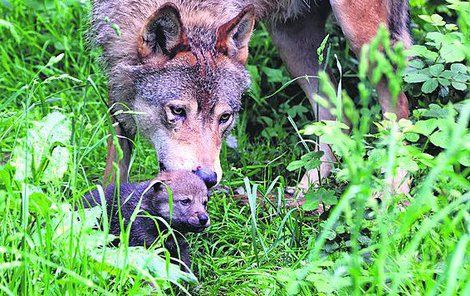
(206, 84)
(184, 189)
(202, 38)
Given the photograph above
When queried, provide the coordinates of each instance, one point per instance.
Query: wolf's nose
(208, 176)
(202, 219)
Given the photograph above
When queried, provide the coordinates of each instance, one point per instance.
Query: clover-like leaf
(416, 77)
(429, 86)
(412, 137)
(416, 63)
(459, 85)
(452, 53)
(422, 51)
(443, 81)
(458, 68)
(425, 127)
(440, 139)
(436, 70)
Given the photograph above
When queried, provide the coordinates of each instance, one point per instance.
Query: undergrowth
(54, 126)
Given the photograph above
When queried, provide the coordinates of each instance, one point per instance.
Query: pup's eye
(225, 117)
(186, 201)
(178, 111)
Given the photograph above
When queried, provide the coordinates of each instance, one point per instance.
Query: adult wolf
(179, 64)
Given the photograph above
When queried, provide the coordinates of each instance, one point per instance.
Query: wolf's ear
(233, 37)
(163, 34)
(159, 184)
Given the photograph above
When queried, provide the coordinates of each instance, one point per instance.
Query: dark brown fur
(150, 200)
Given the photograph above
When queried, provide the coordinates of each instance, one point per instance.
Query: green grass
(358, 246)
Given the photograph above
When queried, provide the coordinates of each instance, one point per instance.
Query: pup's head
(189, 86)
(190, 198)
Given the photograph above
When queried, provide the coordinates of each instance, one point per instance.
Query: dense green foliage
(54, 126)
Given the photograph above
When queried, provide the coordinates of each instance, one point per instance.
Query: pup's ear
(163, 34)
(156, 185)
(233, 37)
(159, 183)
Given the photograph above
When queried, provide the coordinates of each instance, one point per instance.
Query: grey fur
(211, 82)
(399, 19)
(154, 202)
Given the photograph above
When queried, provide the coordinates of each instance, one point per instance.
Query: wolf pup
(179, 66)
(190, 198)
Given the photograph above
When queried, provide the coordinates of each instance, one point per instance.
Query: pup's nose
(208, 176)
(202, 219)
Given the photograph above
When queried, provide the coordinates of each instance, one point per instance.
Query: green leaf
(435, 70)
(436, 111)
(451, 27)
(416, 63)
(285, 275)
(314, 197)
(440, 139)
(422, 51)
(429, 86)
(437, 20)
(452, 53)
(412, 137)
(315, 128)
(255, 87)
(437, 37)
(447, 74)
(274, 75)
(459, 85)
(465, 159)
(40, 203)
(424, 127)
(321, 48)
(11, 27)
(312, 164)
(293, 287)
(295, 165)
(39, 144)
(309, 161)
(458, 68)
(297, 110)
(416, 77)
(408, 164)
(460, 77)
(377, 155)
(443, 81)
(144, 261)
(58, 165)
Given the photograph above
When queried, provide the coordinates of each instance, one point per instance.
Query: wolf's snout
(203, 219)
(208, 176)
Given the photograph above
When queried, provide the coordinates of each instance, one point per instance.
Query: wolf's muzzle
(208, 176)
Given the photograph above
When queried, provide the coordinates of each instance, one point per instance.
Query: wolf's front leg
(297, 41)
(126, 145)
(179, 249)
(360, 20)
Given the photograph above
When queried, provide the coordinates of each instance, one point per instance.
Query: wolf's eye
(178, 111)
(186, 202)
(225, 117)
